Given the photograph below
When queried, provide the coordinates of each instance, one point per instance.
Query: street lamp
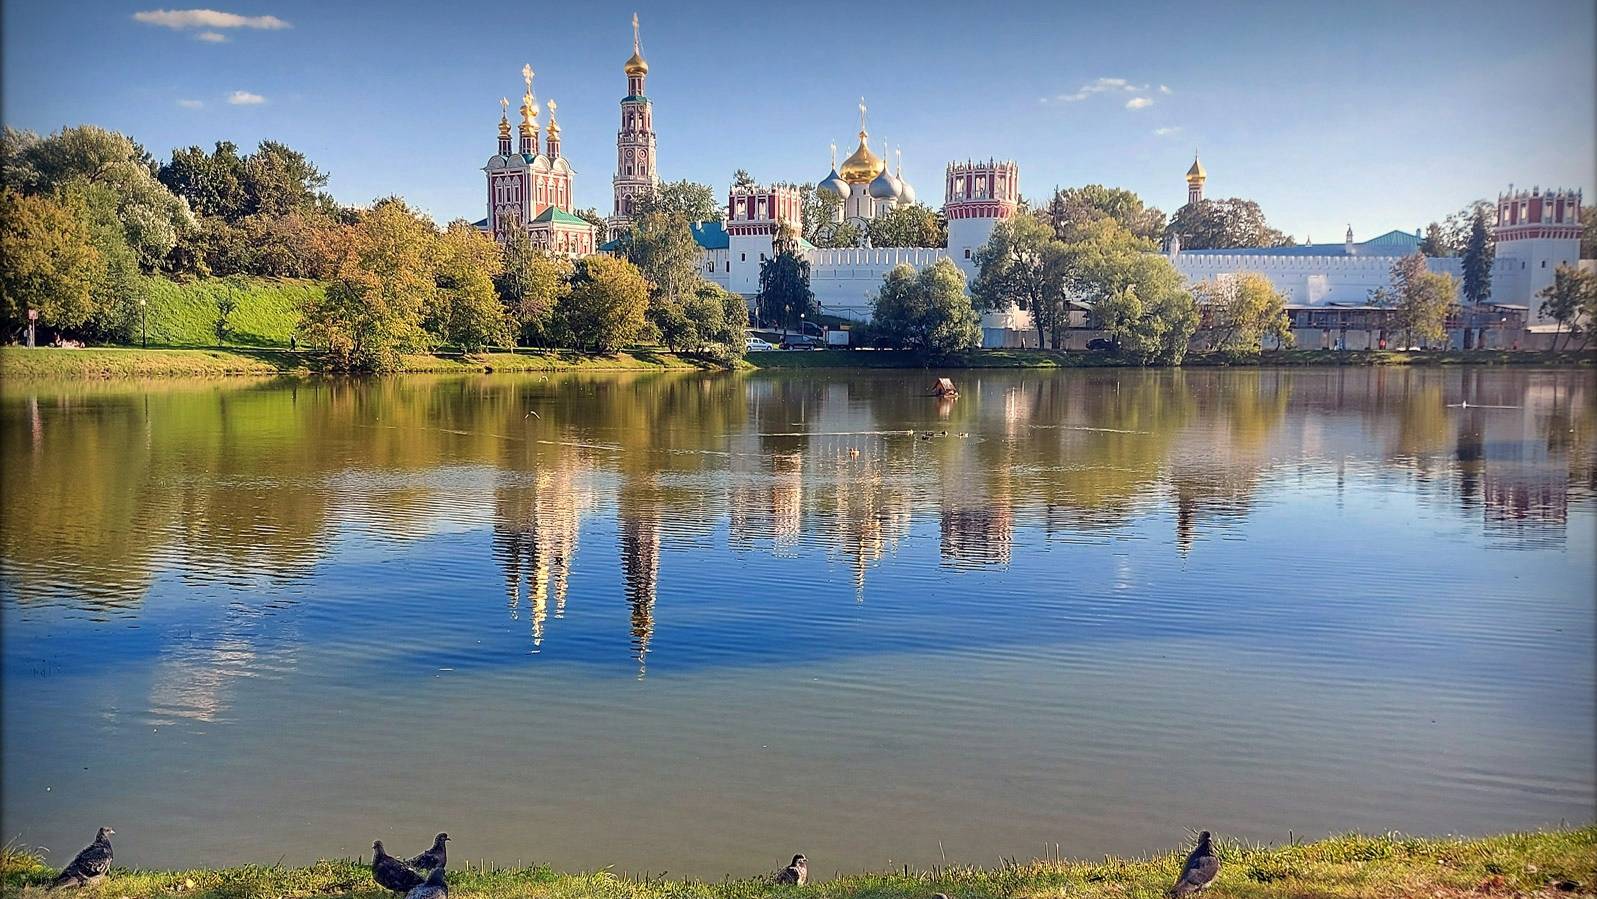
(144, 331)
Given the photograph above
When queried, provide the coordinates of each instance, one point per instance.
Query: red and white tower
(755, 216)
(530, 192)
(977, 196)
(636, 173)
(1537, 231)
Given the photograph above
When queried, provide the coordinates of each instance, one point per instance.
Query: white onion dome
(885, 186)
(834, 183)
(905, 192)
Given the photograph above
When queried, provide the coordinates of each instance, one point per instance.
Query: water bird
(533, 413)
(436, 857)
(433, 887)
(390, 872)
(89, 866)
(1200, 869)
(797, 872)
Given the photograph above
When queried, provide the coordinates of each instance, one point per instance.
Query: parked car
(1100, 345)
(755, 344)
(801, 342)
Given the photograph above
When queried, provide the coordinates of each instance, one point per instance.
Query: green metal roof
(553, 214)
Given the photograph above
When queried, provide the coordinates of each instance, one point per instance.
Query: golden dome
(504, 127)
(636, 64)
(1196, 173)
(862, 166)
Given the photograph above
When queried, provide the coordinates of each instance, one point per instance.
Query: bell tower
(1195, 178)
(635, 160)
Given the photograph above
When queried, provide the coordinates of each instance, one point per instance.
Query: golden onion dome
(504, 127)
(636, 64)
(1196, 173)
(863, 165)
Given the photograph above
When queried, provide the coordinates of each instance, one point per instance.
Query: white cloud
(245, 98)
(180, 19)
(191, 104)
(1099, 86)
(1139, 103)
(212, 37)
(1167, 131)
(1165, 89)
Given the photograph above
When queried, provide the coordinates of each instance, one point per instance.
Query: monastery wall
(846, 280)
(1307, 280)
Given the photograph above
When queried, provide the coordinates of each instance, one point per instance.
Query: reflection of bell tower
(640, 569)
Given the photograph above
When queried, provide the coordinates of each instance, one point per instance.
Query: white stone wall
(846, 280)
(1525, 267)
(1307, 280)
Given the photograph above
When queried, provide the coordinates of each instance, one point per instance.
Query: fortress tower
(636, 171)
(1536, 231)
(754, 217)
(977, 196)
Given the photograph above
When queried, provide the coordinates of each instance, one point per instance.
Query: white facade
(1536, 231)
(1307, 280)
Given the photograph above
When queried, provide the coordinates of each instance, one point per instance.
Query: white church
(1327, 286)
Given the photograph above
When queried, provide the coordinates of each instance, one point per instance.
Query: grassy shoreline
(1350, 866)
(162, 362)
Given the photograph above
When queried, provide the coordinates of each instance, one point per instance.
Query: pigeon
(390, 872)
(796, 873)
(435, 857)
(433, 887)
(1199, 871)
(90, 865)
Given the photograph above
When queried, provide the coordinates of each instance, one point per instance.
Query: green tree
(1243, 312)
(709, 323)
(661, 245)
(466, 310)
(1435, 242)
(212, 183)
(1477, 262)
(742, 178)
(152, 217)
(929, 311)
(1457, 227)
(1219, 224)
(49, 263)
(530, 285)
(118, 286)
(278, 179)
(1019, 266)
(1137, 296)
(226, 305)
(1588, 232)
(592, 217)
(1422, 299)
(908, 226)
(690, 200)
(372, 311)
(1571, 301)
(1073, 207)
(604, 310)
(785, 293)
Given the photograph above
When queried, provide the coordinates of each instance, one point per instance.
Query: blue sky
(1382, 115)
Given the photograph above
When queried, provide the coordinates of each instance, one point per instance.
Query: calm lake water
(697, 623)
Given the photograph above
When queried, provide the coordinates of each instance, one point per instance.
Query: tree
(226, 305)
(49, 263)
(1588, 232)
(114, 297)
(530, 285)
(152, 217)
(1422, 299)
(1477, 262)
(818, 207)
(372, 311)
(929, 311)
(1219, 224)
(1014, 270)
(661, 245)
(1076, 206)
(692, 201)
(710, 323)
(1435, 242)
(1244, 311)
(604, 310)
(1137, 296)
(465, 307)
(785, 293)
(908, 226)
(742, 178)
(212, 183)
(1571, 300)
(592, 217)
(1457, 227)
(278, 179)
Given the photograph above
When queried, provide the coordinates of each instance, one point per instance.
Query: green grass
(184, 314)
(132, 362)
(1350, 866)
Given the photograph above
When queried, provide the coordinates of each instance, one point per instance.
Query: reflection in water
(215, 582)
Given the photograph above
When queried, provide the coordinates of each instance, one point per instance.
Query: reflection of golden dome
(1196, 172)
(861, 167)
(636, 64)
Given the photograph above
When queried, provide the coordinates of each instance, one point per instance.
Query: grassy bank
(266, 310)
(1558, 863)
(133, 362)
(1022, 358)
